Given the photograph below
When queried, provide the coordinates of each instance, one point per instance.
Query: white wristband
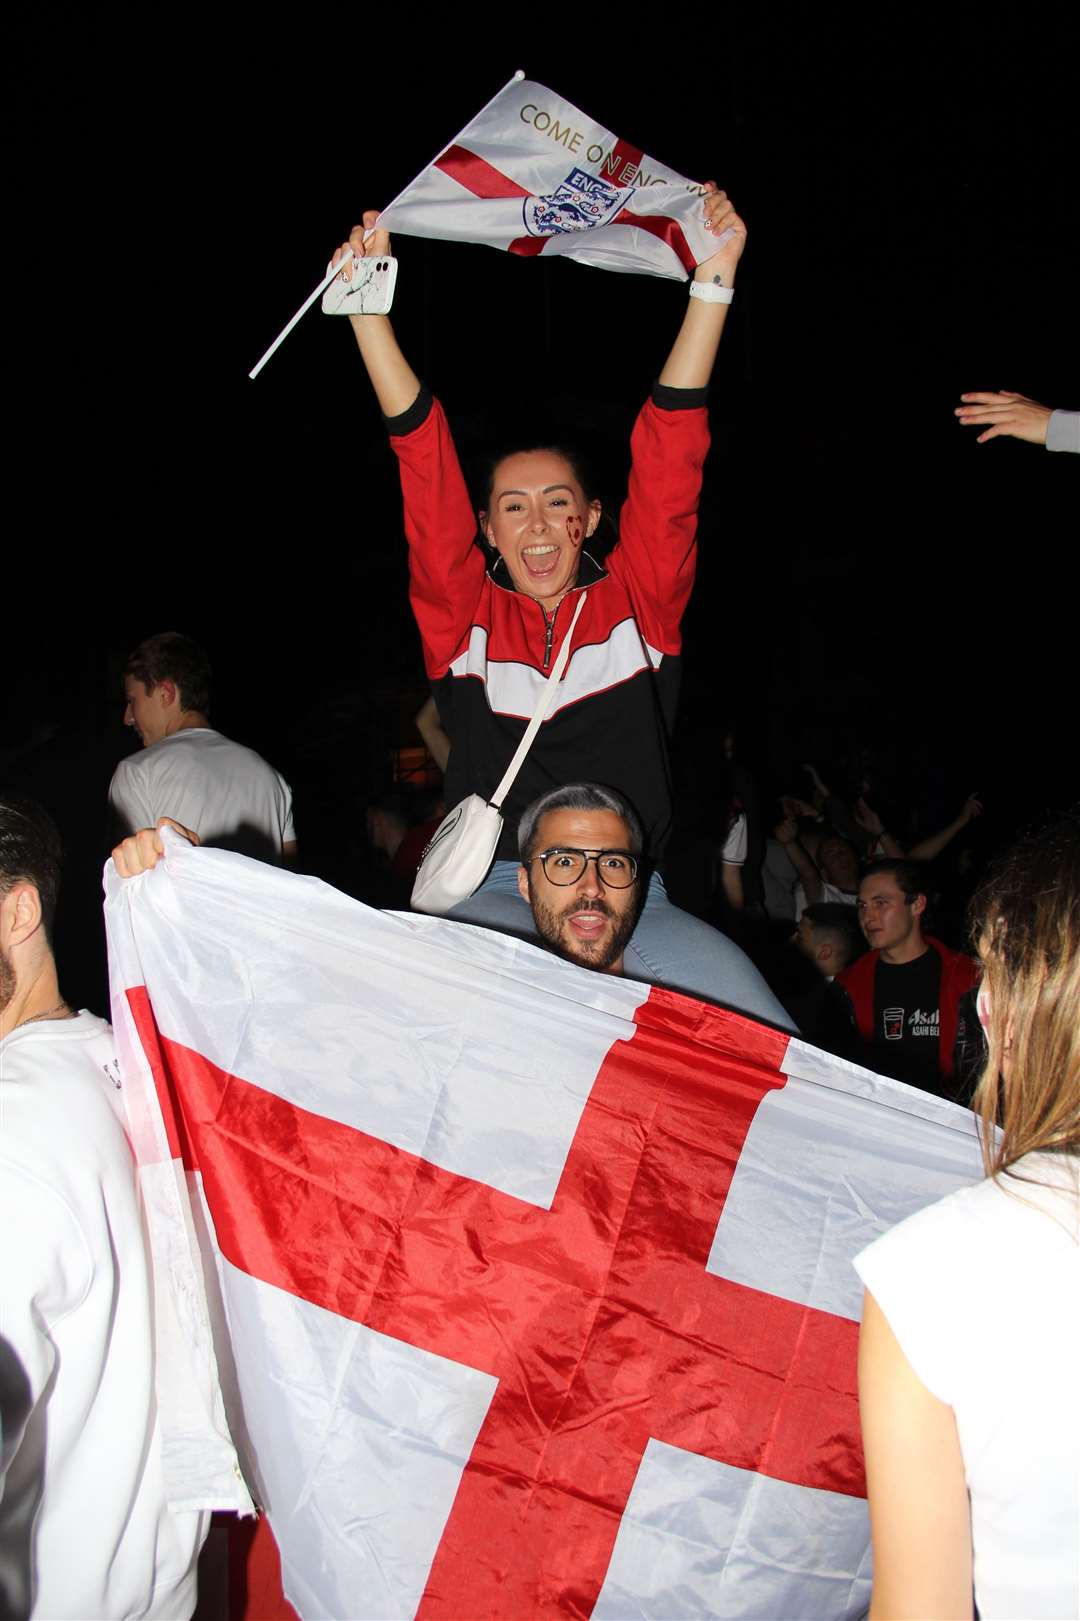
(711, 292)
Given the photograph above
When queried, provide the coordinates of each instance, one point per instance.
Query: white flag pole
(302, 311)
(328, 278)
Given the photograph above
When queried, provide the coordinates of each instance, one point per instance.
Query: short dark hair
(584, 796)
(30, 852)
(171, 656)
(910, 876)
(839, 924)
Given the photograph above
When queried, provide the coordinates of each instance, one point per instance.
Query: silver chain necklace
(61, 1007)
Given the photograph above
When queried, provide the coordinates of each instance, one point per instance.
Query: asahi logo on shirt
(923, 1024)
(918, 1023)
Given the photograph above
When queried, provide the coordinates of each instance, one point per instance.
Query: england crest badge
(581, 203)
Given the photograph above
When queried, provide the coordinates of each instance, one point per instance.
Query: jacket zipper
(549, 627)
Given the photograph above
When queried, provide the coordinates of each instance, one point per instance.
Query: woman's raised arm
(395, 383)
(693, 355)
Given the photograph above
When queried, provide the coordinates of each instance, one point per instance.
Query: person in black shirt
(909, 994)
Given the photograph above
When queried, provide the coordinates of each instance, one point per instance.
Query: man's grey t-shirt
(224, 792)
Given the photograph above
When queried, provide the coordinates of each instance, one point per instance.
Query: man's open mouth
(589, 922)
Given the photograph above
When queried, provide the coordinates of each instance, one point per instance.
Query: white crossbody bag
(462, 848)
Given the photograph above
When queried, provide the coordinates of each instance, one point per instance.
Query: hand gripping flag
(532, 1285)
(531, 174)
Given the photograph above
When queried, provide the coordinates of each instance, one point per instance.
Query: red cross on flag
(532, 174)
(530, 1287)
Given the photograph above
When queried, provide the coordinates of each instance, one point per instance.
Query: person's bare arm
(395, 383)
(787, 833)
(435, 739)
(928, 848)
(815, 777)
(870, 822)
(920, 1519)
(290, 853)
(731, 879)
(693, 355)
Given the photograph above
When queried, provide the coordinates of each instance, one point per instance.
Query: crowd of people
(860, 941)
(806, 904)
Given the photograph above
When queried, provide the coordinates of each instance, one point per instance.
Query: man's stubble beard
(7, 982)
(549, 923)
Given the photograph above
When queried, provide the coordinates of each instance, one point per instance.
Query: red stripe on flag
(622, 156)
(528, 246)
(596, 1316)
(172, 1112)
(658, 225)
(477, 175)
(664, 227)
(484, 180)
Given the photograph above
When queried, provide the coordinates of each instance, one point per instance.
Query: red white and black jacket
(960, 976)
(488, 648)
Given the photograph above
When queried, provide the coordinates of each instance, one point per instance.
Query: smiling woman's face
(538, 520)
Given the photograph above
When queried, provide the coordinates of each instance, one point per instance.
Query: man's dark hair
(838, 924)
(173, 657)
(30, 852)
(911, 876)
(583, 796)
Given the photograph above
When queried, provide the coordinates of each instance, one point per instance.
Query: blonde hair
(1026, 921)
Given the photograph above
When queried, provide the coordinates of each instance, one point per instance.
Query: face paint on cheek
(574, 530)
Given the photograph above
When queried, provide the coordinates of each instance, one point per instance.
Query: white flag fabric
(532, 1286)
(532, 174)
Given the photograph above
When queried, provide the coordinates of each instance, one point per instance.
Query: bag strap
(540, 714)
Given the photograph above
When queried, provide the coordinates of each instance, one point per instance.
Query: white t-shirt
(224, 792)
(84, 1527)
(982, 1291)
(829, 892)
(778, 880)
(734, 850)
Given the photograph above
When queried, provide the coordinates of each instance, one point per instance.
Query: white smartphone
(371, 291)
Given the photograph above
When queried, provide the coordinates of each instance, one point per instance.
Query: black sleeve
(406, 421)
(679, 399)
(970, 1052)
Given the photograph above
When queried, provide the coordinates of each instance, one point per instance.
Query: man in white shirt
(85, 1529)
(833, 878)
(226, 793)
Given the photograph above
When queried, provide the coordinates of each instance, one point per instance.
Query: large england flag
(532, 1286)
(533, 174)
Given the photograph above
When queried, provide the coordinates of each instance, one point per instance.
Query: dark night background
(909, 179)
